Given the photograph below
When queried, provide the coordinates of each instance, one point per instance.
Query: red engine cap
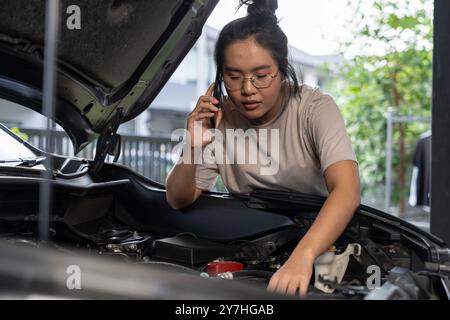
(216, 267)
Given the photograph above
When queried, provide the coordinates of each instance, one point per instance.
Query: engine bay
(241, 240)
(252, 261)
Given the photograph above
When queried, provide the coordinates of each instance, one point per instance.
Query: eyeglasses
(259, 81)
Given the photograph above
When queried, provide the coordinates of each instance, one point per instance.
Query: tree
(392, 68)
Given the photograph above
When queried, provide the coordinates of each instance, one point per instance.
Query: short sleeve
(207, 171)
(329, 133)
(206, 176)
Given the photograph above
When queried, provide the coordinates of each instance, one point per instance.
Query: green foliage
(220, 186)
(366, 85)
(22, 135)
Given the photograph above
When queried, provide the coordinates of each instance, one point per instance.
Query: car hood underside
(110, 69)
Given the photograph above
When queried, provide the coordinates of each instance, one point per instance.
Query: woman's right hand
(201, 116)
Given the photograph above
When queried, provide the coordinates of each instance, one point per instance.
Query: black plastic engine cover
(190, 250)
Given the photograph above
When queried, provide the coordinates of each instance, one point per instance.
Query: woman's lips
(251, 105)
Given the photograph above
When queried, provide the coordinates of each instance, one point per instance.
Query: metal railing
(391, 120)
(149, 156)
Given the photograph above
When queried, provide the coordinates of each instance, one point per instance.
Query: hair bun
(260, 7)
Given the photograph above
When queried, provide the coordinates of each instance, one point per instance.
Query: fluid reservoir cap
(332, 249)
(216, 267)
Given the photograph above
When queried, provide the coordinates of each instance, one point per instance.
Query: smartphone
(218, 95)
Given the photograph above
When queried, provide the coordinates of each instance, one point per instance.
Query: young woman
(313, 151)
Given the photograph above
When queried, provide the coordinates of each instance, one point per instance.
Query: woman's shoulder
(312, 106)
(310, 95)
(313, 99)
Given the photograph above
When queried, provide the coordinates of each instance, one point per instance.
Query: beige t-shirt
(290, 152)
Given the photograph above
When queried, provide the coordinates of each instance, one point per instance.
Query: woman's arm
(180, 184)
(342, 181)
(181, 189)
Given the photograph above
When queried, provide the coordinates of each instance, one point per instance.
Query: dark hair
(261, 24)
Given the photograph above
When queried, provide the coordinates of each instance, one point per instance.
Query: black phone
(218, 95)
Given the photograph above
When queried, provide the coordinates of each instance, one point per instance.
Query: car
(104, 216)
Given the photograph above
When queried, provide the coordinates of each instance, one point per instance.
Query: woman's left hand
(293, 276)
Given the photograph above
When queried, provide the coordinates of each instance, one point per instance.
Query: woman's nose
(248, 88)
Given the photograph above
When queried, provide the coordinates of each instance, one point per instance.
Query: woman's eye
(234, 77)
(261, 76)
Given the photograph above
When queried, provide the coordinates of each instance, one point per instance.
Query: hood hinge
(109, 142)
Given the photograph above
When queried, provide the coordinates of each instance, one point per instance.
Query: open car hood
(109, 70)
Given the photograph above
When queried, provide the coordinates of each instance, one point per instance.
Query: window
(31, 125)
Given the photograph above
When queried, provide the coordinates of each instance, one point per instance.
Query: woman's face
(247, 59)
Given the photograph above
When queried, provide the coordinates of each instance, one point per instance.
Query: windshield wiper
(25, 161)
